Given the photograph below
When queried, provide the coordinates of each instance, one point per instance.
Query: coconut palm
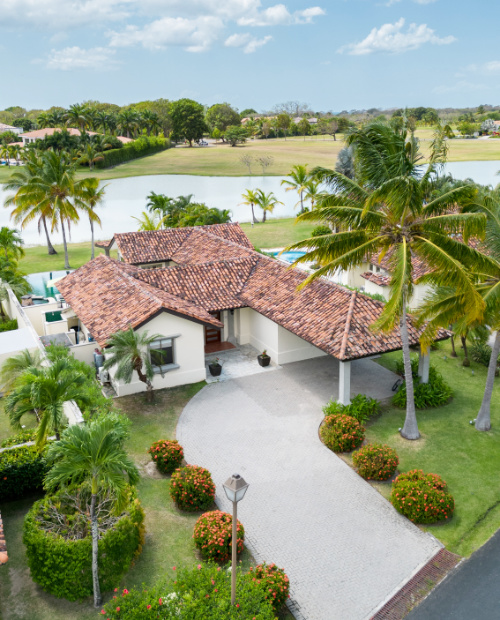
(299, 178)
(149, 222)
(43, 120)
(5, 153)
(312, 192)
(93, 453)
(11, 243)
(250, 199)
(129, 351)
(91, 153)
(387, 214)
(150, 121)
(90, 197)
(266, 202)
(45, 390)
(128, 122)
(11, 278)
(77, 115)
(15, 366)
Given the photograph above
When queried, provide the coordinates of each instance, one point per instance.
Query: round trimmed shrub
(192, 488)
(319, 231)
(22, 471)
(167, 454)
(213, 533)
(435, 393)
(61, 564)
(274, 581)
(341, 433)
(376, 461)
(423, 498)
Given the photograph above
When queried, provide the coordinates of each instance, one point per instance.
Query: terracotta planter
(264, 360)
(215, 369)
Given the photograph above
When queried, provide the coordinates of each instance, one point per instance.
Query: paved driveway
(344, 547)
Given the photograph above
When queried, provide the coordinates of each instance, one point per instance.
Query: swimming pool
(289, 257)
(38, 282)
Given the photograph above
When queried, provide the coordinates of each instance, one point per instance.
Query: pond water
(127, 197)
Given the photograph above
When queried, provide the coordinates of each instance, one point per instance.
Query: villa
(40, 134)
(206, 289)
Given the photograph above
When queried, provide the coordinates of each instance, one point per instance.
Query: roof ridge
(347, 325)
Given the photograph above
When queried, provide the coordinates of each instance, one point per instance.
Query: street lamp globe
(235, 488)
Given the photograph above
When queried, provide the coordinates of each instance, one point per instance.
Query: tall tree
(298, 181)
(91, 196)
(15, 366)
(77, 115)
(11, 243)
(128, 121)
(221, 116)
(94, 453)
(266, 202)
(188, 120)
(129, 351)
(250, 199)
(388, 214)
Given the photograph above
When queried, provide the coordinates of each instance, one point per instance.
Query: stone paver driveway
(344, 547)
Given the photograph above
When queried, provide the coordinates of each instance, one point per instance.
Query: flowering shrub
(192, 488)
(213, 535)
(167, 454)
(423, 498)
(341, 433)
(274, 581)
(375, 461)
(203, 592)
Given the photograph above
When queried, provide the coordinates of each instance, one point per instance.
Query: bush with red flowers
(192, 488)
(167, 454)
(341, 433)
(376, 461)
(423, 498)
(274, 581)
(213, 535)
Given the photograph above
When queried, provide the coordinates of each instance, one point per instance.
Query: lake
(127, 197)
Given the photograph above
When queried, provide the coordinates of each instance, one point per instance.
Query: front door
(212, 334)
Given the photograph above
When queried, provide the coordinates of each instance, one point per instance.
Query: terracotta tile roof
(214, 286)
(419, 266)
(107, 297)
(160, 245)
(204, 247)
(104, 244)
(376, 278)
(49, 131)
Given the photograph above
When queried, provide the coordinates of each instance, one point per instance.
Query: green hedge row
(132, 150)
(7, 326)
(22, 471)
(64, 567)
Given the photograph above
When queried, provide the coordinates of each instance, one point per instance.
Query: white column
(344, 383)
(423, 366)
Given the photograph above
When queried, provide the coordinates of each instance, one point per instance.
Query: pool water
(38, 282)
(289, 257)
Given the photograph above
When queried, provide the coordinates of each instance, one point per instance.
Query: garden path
(344, 547)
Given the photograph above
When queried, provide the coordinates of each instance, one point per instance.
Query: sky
(331, 54)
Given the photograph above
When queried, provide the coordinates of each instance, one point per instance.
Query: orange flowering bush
(375, 461)
(192, 488)
(423, 498)
(167, 454)
(273, 581)
(341, 433)
(213, 535)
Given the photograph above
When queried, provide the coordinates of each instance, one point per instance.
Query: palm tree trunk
(483, 421)
(95, 551)
(466, 352)
(254, 219)
(50, 247)
(66, 257)
(452, 340)
(264, 217)
(410, 428)
(92, 252)
(144, 379)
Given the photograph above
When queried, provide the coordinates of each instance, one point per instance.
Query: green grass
(168, 531)
(224, 160)
(467, 459)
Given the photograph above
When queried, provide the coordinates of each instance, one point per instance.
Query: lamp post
(235, 489)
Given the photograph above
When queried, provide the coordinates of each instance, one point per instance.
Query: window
(162, 355)
(152, 266)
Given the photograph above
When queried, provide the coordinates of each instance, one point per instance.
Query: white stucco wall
(372, 289)
(56, 327)
(85, 352)
(292, 348)
(189, 355)
(35, 314)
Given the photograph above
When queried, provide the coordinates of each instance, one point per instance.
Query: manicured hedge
(64, 567)
(132, 150)
(192, 488)
(423, 498)
(200, 593)
(376, 461)
(27, 434)
(361, 407)
(274, 581)
(341, 433)
(167, 454)
(213, 536)
(22, 471)
(8, 326)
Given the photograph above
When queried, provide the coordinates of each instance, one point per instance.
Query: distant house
(40, 134)
(4, 128)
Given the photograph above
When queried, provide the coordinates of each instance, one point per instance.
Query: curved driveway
(344, 547)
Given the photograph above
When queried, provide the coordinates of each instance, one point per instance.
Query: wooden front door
(212, 334)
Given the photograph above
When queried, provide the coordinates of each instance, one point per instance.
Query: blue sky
(331, 54)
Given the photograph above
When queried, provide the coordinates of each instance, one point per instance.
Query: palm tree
(45, 390)
(127, 121)
(43, 120)
(299, 178)
(5, 154)
(149, 222)
(12, 278)
(77, 115)
(91, 196)
(25, 201)
(150, 121)
(388, 214)
(95, 453)
(11, 243)
(129, 351)
(250, 198)
(15, 366)
(266, 202)
(91, 153)
(312, 192)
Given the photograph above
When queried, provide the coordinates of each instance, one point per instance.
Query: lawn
(272, 234)
(168, 531)
(467, 459)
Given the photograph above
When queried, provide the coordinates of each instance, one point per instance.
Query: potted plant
(215, 367)
(263, 358)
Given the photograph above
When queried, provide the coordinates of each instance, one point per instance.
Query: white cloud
(424, 1)
(279, 15)
(459, 87)
(390, 38)
(195, 35)
(493, 66)
(246, 41)
(71, 58)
